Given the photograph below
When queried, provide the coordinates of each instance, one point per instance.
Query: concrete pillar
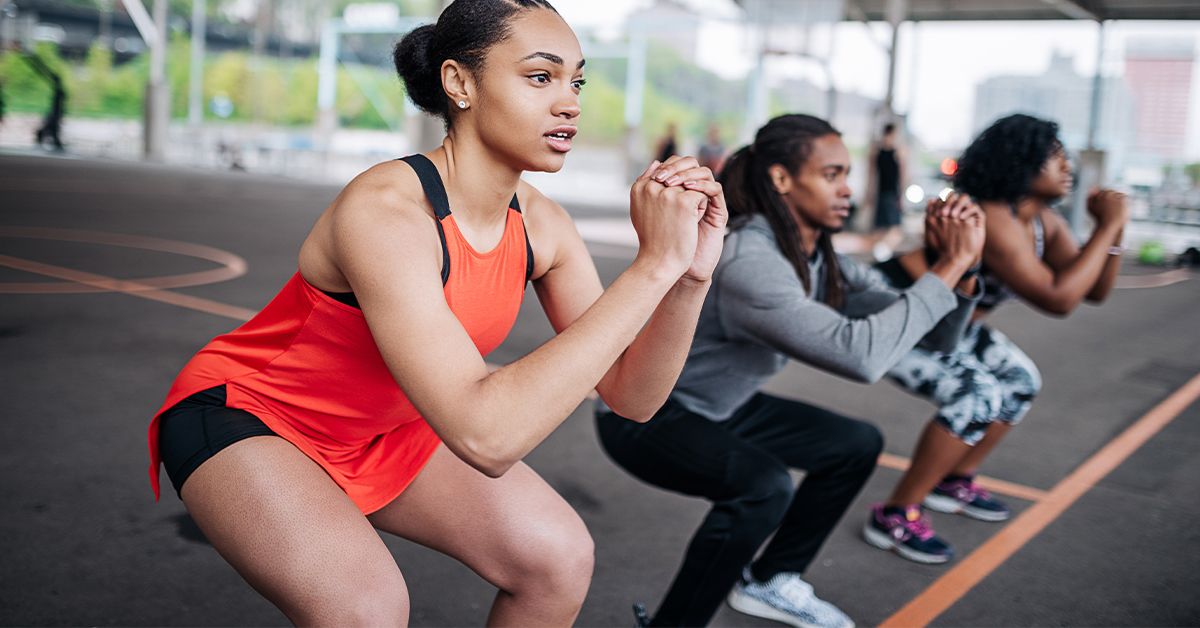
(196, 74)
(897, 10)
(157, 107)
(1090, 168)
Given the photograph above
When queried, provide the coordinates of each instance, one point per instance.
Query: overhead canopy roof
(957, 10)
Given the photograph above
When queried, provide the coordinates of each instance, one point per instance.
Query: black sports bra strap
(431, 182)
(435, 191)
(515, 205)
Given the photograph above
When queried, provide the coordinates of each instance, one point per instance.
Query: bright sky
(939, 64)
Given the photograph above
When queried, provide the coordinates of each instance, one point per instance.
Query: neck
(478, 184)
(1029, 206)
(809, 235)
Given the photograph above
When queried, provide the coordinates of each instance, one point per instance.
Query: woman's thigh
(294, 535)
(504, 529)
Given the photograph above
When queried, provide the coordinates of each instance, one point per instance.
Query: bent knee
(378, 600)
(863, 442)
(759, 492)
(557, 560)
(975, 399)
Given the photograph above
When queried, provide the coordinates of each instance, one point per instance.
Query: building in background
(1063, 95)
(671, 23)
(1159, 73)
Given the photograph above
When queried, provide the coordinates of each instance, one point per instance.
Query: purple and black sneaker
(906, 530)
(960, 494)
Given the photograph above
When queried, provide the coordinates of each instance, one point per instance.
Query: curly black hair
(1001, 163)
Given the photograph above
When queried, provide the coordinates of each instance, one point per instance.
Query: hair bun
(413, 57)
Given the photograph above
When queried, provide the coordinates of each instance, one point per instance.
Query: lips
(560, 138)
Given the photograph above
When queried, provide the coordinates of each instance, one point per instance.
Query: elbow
(865, 373)
(630, 412)
(1058, 309)
(873, 376)
(1058, 306)
(487, 458)
(643, 417)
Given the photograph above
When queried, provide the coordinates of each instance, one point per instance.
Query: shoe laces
(970, 491)
(919, 527)
(796, 590)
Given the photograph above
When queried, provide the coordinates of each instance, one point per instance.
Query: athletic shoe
(906, 530)
(788, 599)
(962, 495)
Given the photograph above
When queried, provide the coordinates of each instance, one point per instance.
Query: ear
(457, 82)
(780, 178)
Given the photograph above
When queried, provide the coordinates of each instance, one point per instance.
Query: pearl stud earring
(462, 104)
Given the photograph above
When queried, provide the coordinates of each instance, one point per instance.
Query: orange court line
(1012, 489)
(954, 584)
(132, 288)
(232, 266)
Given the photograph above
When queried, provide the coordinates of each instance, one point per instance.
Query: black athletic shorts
(195, 429)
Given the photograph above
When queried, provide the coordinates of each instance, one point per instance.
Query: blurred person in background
(712, 152)
(885, 179)
(667, 144)
(1018, 170)
(51, 128)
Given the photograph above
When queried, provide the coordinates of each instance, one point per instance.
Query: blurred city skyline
(939, 64)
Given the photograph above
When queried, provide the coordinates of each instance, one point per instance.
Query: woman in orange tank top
(359, 398)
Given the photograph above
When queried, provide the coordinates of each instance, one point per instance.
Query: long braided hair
(786, 140)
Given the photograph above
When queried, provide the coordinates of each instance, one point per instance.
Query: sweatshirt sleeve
(866, 287)
(946, 334)
(760, 299)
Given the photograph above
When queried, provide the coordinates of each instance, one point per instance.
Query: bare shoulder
(1005, 235)
(390, 190)
(382, 213)
(541, 212)
(1053, 223)
(552, 232)
(1000, 219)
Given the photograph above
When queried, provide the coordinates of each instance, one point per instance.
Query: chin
(550, 163)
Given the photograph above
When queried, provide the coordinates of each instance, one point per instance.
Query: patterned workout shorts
(986, 378)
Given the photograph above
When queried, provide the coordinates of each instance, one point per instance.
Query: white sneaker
(786, 598)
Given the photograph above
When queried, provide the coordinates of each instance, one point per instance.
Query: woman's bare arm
(385, 248)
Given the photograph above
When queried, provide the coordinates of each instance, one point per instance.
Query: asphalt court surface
(86, 362)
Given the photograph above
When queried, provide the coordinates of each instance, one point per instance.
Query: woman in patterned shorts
(1017, 169)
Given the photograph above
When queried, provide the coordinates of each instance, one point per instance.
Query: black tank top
(888, 170)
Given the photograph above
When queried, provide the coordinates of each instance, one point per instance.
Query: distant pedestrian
(52, 122)
(886, 177)
(712, 152)
(667, 146)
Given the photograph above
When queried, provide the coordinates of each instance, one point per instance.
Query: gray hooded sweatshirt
(757, 315)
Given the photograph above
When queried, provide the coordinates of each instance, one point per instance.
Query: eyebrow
(552, 58)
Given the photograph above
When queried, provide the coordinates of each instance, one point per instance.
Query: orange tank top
(308, 367)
